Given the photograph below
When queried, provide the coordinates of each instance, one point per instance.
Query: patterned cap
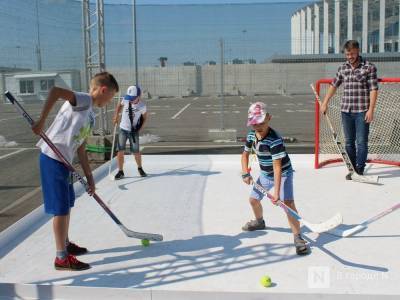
(256, 114)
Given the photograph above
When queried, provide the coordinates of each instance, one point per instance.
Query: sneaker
(348, 176)
(254, 225)
(74, 249)
(301, 245)
(119, 175)
(70, 263)
(360, 171)
(141, 172)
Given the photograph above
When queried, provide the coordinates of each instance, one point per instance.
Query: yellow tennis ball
(145, 242)
(265, 281)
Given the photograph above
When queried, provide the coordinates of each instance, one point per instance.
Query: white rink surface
(199, 204)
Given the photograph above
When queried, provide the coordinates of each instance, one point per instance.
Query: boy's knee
(254, 202)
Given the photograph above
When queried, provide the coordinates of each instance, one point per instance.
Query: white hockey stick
(113, 142)
(110, 176)
(329, 224)
(354, 176)
(363, 225)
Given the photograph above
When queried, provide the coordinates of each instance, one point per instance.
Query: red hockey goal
(384, 136)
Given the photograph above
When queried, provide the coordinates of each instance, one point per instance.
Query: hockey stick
(342, 151)
(363, 225)
(112, 154)
(129, 233)
(329, 224)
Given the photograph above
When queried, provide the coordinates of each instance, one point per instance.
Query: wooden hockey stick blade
(365, 178)
(141, 235)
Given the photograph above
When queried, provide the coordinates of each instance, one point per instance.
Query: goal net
(384, 134)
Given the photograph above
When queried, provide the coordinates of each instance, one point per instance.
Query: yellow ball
(265, 281)
(145, 242)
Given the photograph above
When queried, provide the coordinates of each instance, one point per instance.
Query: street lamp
(135, 40)
(130, 59)
(244, 31)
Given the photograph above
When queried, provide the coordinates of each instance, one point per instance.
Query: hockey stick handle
(61, 156)
(286, 208)
(327, 118)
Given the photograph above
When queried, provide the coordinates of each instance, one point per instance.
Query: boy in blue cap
(134, 115)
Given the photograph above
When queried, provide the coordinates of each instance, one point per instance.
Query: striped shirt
(270, 148)
(358, 83)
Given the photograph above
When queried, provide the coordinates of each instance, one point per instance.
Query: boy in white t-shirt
(134, 115)
(68, 132)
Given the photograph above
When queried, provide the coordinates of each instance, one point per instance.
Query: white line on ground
(12, 153)
(241, 97)
(222, 145)
(20, 200)
(179, 112)
(195, 98)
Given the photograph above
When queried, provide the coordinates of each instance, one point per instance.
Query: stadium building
(322, 27)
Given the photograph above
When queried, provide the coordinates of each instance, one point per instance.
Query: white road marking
(241, 97)
(181, 111)
(195, 98)
(12, 153)
(203, 112)
(20, 200)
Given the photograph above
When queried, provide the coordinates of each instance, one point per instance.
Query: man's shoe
(119, 175)
(74, 249)
(141, 172)
(254, 225)
(70, 263)
(348, 176)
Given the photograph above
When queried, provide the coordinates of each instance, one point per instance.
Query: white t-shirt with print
(70, 128)
(138, 109)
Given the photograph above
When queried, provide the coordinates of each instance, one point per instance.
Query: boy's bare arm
(277, 166)
(145, 116)
(83, 159)
(55, 94)
(117, 112)
(245, 162)
(245, 167)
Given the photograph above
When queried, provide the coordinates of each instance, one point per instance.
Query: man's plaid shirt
(358, 83)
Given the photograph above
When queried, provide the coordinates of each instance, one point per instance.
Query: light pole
(244, 31)
(38, 54)
(135, 41)
(130, 59)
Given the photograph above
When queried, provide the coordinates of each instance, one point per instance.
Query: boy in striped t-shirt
(276, 171)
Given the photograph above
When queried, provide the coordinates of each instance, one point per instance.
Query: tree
(163, 61)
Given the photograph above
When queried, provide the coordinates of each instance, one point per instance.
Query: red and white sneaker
(74, 249)
(70, 263)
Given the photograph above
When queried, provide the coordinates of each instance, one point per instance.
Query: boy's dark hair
(351, 44)
(106, 79)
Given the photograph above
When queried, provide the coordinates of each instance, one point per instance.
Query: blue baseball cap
(132, 93)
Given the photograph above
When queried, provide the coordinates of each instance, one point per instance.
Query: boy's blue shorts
(286, 192)
(58, 191)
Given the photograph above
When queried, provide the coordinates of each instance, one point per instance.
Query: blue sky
(197, 1)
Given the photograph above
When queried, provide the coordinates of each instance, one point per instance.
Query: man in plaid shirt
(360, 92)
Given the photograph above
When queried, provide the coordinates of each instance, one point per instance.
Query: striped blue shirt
(268, 149)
